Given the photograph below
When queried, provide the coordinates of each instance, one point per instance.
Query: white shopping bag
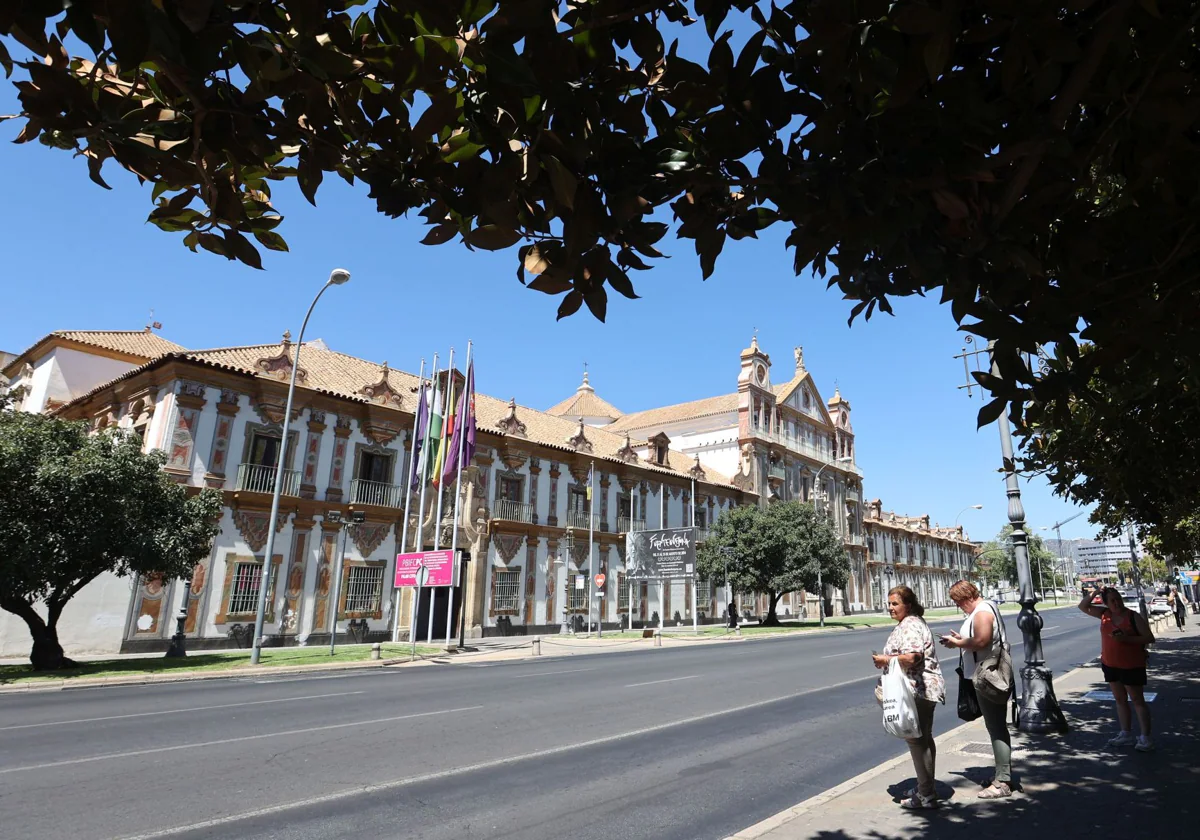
(899, 704)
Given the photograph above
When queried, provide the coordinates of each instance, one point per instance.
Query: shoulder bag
(993, 676)
(968, 702)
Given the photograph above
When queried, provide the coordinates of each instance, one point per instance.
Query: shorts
(1124, 676)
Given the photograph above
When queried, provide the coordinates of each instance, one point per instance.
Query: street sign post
(439, 567)
(420, 577)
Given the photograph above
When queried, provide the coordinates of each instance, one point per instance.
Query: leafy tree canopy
(1000, 563)
(1030, 163)
(75, 505)
(774, 550)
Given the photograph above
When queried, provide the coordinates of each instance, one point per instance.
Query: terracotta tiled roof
(585, 403)
(143, 344)
(346, 376)
(655, 417)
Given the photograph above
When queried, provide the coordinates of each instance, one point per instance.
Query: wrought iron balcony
(583, 521)
(627, 525)
(259, 478)
(512, 511)
(364, 492)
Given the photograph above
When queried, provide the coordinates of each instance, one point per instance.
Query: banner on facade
(440, 565)
(654, 555)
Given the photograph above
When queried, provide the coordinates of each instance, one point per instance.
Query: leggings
(923, 749)
(995, 716)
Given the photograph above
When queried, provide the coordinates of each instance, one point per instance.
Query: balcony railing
(583, 521)
(364, 492)
(777, 471)
(851, 495)
(627, 525)
(512, 511)
(701, 533)
(855, 539)
(257, 478)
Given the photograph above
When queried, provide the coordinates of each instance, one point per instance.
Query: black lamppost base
(178, 646)
(1038, 711)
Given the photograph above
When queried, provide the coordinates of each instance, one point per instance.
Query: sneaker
(1123, 739)
(1144, 744)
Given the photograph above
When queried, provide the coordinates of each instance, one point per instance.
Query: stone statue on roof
(799, 351)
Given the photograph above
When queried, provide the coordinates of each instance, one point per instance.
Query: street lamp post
(964, 510)
(1038, 710)
(725, 552)
(336, 278)
(829, 515)
(178, 646)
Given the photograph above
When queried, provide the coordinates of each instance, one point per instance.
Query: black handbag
(968, 701)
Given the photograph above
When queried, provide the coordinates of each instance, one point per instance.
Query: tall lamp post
(829, 514)
(337, 277)
(964, 510)
(725, 552)
(1038, 710)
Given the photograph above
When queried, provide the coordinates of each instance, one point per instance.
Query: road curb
(784, 817)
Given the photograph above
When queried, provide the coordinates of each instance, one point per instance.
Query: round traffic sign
(599, 580)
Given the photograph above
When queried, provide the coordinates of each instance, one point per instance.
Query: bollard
(376, 650)
(537, 645)
(737, 631)
(658, 638)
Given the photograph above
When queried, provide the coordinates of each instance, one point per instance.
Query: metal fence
(579, 519)
(364, 588)
(512, 511)
(259, 478)
(364, 492)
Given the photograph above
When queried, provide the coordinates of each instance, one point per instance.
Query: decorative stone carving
(579, 441)
(369, 536)
(382, 392)
(228, 404)
(510, 424)
(252, 526)
(379, 431)
(316, 417)
(188, 388)
(507, 545)
(271, 407)
(799, 353)
(626, 453)
(280, 366)
(697, 471)
(343, 425)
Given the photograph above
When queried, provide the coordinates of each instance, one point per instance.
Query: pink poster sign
(439, 563)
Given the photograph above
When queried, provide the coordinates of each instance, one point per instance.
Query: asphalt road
(686, 741)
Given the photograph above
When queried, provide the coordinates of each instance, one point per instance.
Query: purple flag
(465, 425)
(422, 433)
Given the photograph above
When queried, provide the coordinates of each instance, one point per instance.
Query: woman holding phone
(1124, 635)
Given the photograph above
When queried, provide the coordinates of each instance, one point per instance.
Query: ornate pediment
(280, 366)
(579, 441)
(507, 545)
(271, 407)
(627, 453)
(697, 471)
(382, 392)
(369, 537)
(510, 424)
(380, 431)
(252, 525)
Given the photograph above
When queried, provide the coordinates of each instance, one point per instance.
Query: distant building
(1099, 558)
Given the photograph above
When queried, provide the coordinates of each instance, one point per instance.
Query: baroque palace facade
(217, 414)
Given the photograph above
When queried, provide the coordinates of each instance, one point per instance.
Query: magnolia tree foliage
(1030, 163)
(773, 550)
(74, 506)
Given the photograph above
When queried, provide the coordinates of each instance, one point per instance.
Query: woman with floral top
(911, 645)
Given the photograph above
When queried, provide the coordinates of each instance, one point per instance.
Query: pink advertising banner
(439, 563)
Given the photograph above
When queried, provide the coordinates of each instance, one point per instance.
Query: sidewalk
(1069, 786)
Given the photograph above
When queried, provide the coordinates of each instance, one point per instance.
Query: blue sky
(80, 257)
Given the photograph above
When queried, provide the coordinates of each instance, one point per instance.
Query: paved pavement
(684, 741)
(1070, 785)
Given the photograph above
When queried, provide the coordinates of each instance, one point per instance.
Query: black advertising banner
(670, 553)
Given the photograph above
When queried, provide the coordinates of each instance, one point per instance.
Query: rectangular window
(701, 518)
(624, 506)
(577, 500)
(578, 594)
(703, 594)
(364, 587)
(506, 588)
(511, 489)
(264, 449)
(376, 467)
(243, 594)
(622, 592)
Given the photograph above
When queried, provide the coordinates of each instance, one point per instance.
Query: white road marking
(180, 711)
(835, 655)
(153, 750)
(483, 765)
(550, 673)
(656, 682)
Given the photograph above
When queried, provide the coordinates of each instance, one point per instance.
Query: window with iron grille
(578, 593)
(364, 588)
(506, 589)
(703, 594)
(243, 594)
(622, 592)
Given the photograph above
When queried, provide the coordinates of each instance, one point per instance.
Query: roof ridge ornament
(579, 441)
(511, 424)
(382, 392)
(626, 453)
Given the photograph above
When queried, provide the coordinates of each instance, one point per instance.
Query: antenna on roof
(153, 325)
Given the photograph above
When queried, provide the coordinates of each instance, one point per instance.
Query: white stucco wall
(93, 621)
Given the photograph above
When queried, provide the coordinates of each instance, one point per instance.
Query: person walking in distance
(981, 633)
(1178, 604)
(1124, 635)
(911, 644)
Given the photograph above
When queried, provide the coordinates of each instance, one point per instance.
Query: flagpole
(462, 438)
(437, 479)
(412, 464)
(695, 580)
(421, 504)
(591, 548)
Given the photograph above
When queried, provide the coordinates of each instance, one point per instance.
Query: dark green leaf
(570, 305)
(492, 237)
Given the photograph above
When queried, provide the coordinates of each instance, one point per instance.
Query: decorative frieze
(252, 525)
(368, 537)
(535, 472)
(552, 517)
